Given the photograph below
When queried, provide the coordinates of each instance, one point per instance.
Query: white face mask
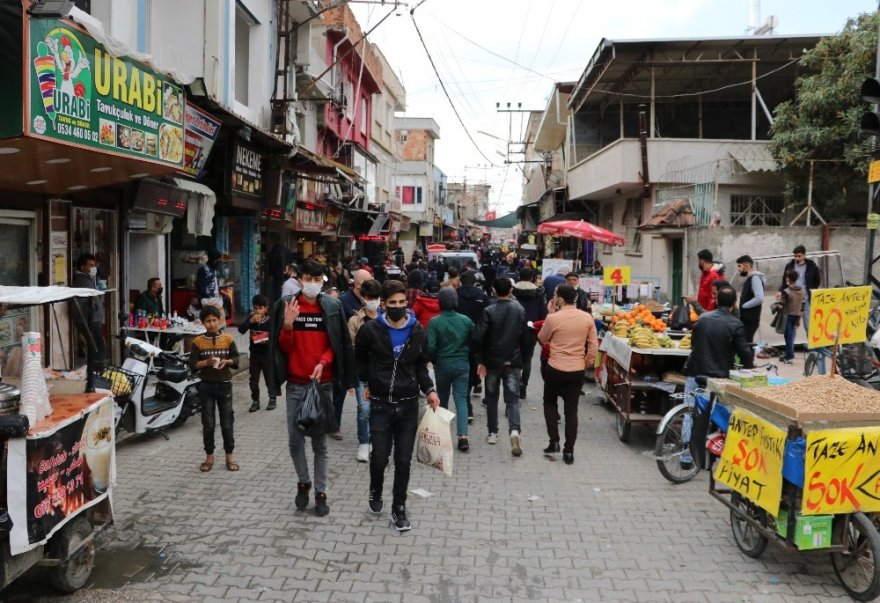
(372, 305)
(311, 290)
(93, 271)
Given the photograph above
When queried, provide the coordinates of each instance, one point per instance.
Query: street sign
(874, 171)
(616, 275)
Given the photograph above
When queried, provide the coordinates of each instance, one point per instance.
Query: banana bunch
(621, 329)
(641, 337)
(685, 343)
(665, 342)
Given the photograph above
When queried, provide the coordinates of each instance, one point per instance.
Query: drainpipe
(643, 143)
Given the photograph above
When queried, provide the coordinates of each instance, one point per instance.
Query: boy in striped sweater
(214, 354)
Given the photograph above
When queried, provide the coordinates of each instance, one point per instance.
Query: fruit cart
(638, 375)
(798, 466)
(57, 474)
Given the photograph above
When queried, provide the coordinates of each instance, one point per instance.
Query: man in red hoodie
(708, 275)
(313, 343)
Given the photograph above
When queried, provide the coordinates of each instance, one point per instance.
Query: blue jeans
(454, 376)
(296, 440)
(821, 355)
(510, 377)
(790, 334)
(363, 414)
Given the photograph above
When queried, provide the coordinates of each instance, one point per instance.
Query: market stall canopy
(33, 296)
(580, 230)
(508, 221)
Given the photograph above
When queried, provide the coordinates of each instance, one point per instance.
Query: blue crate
(793, 461)
(720, 416)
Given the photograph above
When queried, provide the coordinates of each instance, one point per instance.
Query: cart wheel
(671, 447)
(749, 540)
(623, 428)
(73, 573)
(810, 364)
(856, 567)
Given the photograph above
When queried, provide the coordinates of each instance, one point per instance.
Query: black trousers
(527, 359)
(751, 328)
(216, 397)
(392, 425)
(568, 385)
(259, 363)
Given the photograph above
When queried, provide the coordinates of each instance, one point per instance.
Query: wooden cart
(631, 381)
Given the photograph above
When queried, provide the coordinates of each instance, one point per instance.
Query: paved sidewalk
(608, 528)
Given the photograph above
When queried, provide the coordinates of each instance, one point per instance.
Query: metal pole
(810, 195)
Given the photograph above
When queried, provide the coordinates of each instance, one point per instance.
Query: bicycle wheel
(748, 538)
(810, 364)
(856, 567)
(670, 448)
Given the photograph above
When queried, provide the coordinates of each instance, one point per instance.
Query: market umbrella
(579, 229)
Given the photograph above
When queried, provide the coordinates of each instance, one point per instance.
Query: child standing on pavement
(793, 297)
(258, 324)
(214, 355)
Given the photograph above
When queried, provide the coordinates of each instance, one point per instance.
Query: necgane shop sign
(84, 96)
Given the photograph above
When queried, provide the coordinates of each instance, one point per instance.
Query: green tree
(822, 122)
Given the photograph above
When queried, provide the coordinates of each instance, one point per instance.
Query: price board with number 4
(615, 276)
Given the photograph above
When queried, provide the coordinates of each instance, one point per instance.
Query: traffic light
(870, 123)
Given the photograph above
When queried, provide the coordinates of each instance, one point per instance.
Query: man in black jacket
(472, 300)
(809, 278)
(503, 339)
(392, 359)
(534, 301)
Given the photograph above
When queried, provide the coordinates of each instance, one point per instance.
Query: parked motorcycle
(139, 408)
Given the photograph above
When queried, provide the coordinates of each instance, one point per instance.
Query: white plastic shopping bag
(434, 439)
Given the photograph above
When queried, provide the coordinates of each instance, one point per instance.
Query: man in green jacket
(448, 336)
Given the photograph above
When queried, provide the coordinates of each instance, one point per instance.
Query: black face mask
(159, 292)
(743, 273)
(395, 314)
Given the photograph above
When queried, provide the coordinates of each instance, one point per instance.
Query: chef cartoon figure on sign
(64, 76)
(62, 50)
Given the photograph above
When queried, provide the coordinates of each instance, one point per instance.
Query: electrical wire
(357, 91)
(443, 86)
(567, 29)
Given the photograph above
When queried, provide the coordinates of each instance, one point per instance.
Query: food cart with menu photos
(57, 478)
(799, 467)
(632, 382)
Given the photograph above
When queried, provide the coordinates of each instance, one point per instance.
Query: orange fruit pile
(640, 314)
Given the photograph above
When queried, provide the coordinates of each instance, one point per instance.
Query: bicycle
(674, 444)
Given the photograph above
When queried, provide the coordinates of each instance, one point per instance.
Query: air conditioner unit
(303, 54)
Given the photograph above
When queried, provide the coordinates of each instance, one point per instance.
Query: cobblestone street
(608, 528)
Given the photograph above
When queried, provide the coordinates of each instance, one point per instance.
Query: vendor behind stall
(150, 301)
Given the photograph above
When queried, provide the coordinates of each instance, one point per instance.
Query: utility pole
(873, 188)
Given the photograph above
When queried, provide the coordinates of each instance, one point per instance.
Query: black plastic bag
(680, 318)
(315, 414)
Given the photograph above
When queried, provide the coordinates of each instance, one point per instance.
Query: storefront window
(94, 232)
(17, 269)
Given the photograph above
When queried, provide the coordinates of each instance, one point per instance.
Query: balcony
(619, 165)
(310, 61)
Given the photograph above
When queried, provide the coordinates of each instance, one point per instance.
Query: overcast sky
(512, 51)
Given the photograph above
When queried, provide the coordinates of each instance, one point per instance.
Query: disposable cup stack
(34, 392)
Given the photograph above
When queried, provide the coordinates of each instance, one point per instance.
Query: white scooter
(173, 400)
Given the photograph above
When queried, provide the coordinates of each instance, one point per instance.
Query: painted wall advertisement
(201, 133)
(60, 471)
(246, 172)
(80, 94)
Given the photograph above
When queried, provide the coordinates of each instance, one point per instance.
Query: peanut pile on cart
(822, 395)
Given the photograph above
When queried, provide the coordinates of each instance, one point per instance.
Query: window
(632, 217)
(755, 210)
(410, 195)
(389, 117)
(243, 24)
(365, 115)
(402, 135)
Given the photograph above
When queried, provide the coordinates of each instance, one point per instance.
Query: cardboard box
(811, 531)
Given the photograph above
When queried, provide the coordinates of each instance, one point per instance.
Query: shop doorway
(677, 269)
(147, 258)
(17, 268)
(95, 232)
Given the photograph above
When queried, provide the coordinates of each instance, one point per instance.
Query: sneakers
(552, 447)
(788, 361)
(271, 405)
(492, 438)
(321, 506)
(363, 453)
(398, 519)
(302, 495)
(515, 443)
(255, 406)
(375, 502)
(568, 457)
(463, 444)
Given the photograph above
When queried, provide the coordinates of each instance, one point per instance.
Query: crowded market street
(608, 528)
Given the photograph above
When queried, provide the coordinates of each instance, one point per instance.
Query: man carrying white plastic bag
(392, 359)
(434, 440)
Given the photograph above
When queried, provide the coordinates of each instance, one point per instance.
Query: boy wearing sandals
(214, 355)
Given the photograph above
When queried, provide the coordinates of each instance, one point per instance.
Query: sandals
(232, 466)
(206, 466)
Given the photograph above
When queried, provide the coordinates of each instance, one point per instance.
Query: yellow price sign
(751, 462)
(616, 275)
(842, 471)
(874, 172)
(844, 310)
